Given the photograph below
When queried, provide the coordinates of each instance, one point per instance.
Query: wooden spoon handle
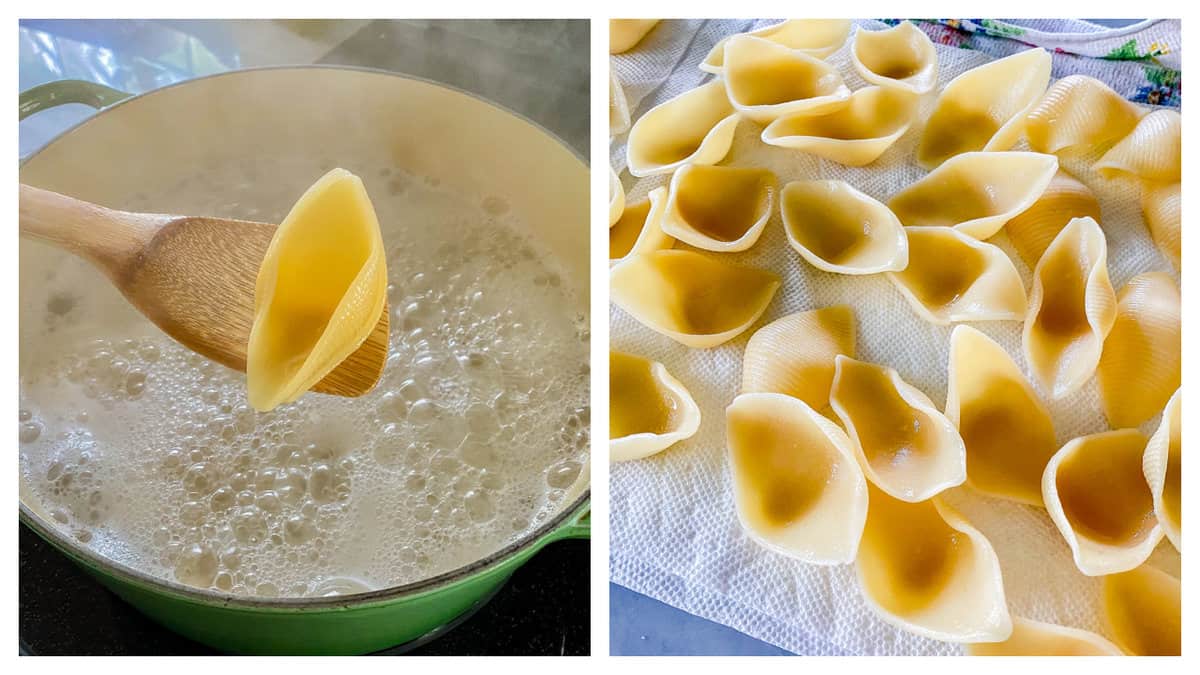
(110, 239)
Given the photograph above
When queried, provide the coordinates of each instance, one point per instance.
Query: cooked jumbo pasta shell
(1162, 209)
(616, 197)
(976, 192)
(901, 57)
(985, 107)
(1162, 466)
(1079, 112)
(624, 34)
(719, 208)
(1143, 609)
(795, 354)
(838, 229)
(1141, 365)
(904, 444)
(694, 299)
(648, 409)
(1006, 429)
(695, 127)
(1150, 151)
(1064, 199)
(320, 290)
(1098, 499)
(639, 229)
(796, 486)
(953, 277)
(1035, 638)
(816, 37)
(923, 568)
(854, 135)
(1071, 309)
(765, 80)
(618, 107)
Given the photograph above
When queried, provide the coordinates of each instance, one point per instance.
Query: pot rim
(532, 540)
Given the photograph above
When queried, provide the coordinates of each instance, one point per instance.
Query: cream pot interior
(477, 439)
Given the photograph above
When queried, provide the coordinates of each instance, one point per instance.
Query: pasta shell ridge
(794, 355)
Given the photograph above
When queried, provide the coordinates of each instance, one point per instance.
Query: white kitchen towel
(674, 532)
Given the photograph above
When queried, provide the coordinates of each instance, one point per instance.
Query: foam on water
(150, 454)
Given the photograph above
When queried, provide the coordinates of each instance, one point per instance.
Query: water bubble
(479, 506)
(196, 566)
(29, 431)
(423, 411)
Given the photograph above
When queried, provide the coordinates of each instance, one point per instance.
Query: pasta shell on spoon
(1162, 465)
(1098, 499)
(924, 569)
(1064, 199)
(1071, 309)
(985, 107)
(1151, 151)
(695, 127)
(904, 444)
(838, 229)
(649, 410)
(795, 354)
(694, 299)
(765, 80)
(1143, 609)
(855, 135)
(817, 38)
(639, 229)
(953, 277)
(976, 192)
(1007, 431)
(616, 197)
(1035, 638)
(901, 57)
(1079, 112)
(796, 486)
(1162, 209)
(1141, 365)
(719, 208)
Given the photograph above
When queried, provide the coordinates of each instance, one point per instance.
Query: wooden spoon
(192, 276)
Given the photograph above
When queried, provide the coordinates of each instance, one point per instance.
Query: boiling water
(474, 437)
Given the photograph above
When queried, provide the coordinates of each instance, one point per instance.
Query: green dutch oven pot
(132, 142)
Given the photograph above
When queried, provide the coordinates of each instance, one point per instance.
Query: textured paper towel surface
(674, 532)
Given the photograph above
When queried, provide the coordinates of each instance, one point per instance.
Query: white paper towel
(674, 533)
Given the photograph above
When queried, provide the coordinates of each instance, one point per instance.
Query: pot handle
(578, 526)
(54, 94)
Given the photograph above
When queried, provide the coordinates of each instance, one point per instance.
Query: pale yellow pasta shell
(692, 298)
(1071, 309)
(795, 354)
(976, 192)
(616, 197)
(953, 277)
(1035, 638)
(855, 135)
(1162, 209)
(838, 229)
(1079, 113)
(1063, 200)
(904, 444)
(923, 568)
(625, 34)
(1007, 430)
(1098, 499)
(719, 208)
(1141, 365)
(618, 107)
(1151, 151)
(695, 127)
(901, 57)
(765, 80)
(796, 487)
(1162, 466)
(1144, 609)
(985, 107)
(649, 410)
(817, 38)
(639, 229)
